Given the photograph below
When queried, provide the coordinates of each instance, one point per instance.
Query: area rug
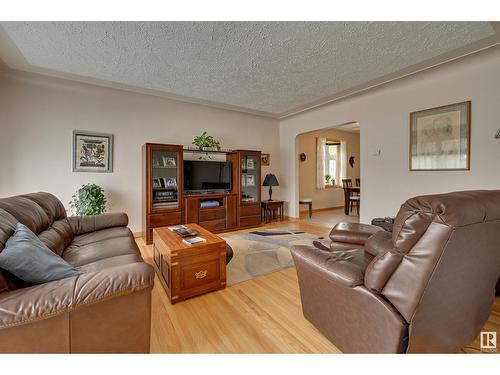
(261, 252)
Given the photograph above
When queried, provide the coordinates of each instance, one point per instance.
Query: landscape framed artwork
(92, 152)
(440, 138)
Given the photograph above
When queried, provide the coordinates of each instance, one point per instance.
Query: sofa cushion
(100, 235)
(7, 227)
(58, 236)
(379, 243)
(27, 258)
(50, 204)
(78, 256)
(119, 260)
(92, 223)
(27, 212)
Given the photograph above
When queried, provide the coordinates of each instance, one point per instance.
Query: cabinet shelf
(160, 167)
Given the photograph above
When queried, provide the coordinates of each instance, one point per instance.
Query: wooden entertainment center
(165, 202)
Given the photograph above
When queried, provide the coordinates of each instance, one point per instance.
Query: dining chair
(350, 196)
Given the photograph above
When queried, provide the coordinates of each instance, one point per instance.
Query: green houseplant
(88, 200)
(328, 177)
(205, 140)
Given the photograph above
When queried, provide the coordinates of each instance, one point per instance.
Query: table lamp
(270, 180)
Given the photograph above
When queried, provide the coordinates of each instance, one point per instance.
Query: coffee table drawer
(199, 274)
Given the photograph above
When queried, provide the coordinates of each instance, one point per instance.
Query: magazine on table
(195, 240)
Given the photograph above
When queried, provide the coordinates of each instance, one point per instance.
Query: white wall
(38, 115)
(331, 196)
(383, 115)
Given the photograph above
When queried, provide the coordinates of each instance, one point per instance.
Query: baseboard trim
(322, 209)
(137, 234)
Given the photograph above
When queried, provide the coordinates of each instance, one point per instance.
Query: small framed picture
(92, 152)
(170, 182)
(440, 138)
(250, 163)
(156, 183)
(169, 161)
(250, 180)
(265, 159)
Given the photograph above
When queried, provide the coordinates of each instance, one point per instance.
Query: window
(332, 163)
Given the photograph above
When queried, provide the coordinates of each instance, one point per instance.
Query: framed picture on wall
(265, 159)
(92, 152)
(440, 138)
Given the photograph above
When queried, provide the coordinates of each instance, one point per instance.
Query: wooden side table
(309, 204)
(189, 270)
(272, 210)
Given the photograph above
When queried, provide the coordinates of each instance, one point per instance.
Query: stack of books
(183, 231)
(195, 240)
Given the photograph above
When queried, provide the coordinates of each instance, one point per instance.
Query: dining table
(347, 193)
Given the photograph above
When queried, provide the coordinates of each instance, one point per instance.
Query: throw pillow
(29, 259)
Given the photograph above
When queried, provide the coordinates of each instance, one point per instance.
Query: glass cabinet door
(165, 166)
(250, 185)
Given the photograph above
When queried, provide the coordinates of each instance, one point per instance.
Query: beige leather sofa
(107, 309)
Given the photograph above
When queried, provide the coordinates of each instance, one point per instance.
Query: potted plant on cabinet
(206, 142)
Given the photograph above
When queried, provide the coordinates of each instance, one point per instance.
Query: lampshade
(270, 180)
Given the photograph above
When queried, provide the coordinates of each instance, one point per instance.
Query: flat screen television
(201, 176)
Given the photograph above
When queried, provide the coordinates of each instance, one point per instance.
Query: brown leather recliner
(107, 309)
(427, 287)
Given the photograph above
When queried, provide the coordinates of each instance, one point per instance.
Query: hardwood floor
(328, 218)
(262, 315)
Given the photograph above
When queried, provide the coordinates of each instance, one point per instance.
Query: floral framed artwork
(440, 138)
(92, 152)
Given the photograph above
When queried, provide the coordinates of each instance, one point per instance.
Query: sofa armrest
(48, 300)
(353, 233)
(342, 267)
(85, 224)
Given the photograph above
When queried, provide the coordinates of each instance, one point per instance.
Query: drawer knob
(201, 274)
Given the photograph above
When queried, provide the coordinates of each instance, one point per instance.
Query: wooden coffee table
(189, 270)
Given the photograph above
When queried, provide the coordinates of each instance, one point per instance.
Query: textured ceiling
(272, 67)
